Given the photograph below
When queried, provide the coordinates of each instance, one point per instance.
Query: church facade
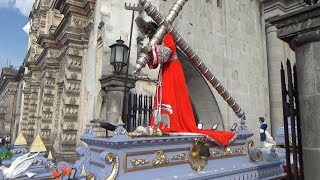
(69, 80)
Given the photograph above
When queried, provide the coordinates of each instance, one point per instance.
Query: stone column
(114, 85)
(301, 29)
(277, 52)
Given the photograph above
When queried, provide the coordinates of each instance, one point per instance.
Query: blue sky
(13, 39)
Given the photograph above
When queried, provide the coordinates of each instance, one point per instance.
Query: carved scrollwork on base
(239, 150)
(254, 157)
(113, 158)
(227, 152)
(90, 176)
(181, 156)
(161, 159)
(196, 160)
(137, 162)
(214, 153)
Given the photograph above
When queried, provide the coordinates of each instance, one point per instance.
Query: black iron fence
(139, 111)
(290, 104)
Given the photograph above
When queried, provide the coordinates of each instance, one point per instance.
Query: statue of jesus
(172, 96)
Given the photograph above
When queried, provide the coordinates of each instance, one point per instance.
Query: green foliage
(5, 155)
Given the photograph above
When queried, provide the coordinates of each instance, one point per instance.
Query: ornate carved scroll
(113, 158)
(254, 157)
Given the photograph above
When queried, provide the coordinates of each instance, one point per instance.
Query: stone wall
(9, 99)
(7, 108)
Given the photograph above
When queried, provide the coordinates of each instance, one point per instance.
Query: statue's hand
(147, 50)
(261, 131)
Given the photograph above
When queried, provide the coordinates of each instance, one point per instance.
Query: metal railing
(139, 111)
(291, 110)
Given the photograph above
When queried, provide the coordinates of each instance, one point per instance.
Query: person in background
(7, 140)
(3, 141)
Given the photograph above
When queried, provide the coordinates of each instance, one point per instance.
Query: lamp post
(119, 56)
(118, 84)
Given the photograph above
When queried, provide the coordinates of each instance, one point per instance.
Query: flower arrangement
(60, 174)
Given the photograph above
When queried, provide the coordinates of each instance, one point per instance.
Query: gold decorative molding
(150, 166)
(227, 151)
(239, 150)
(181, 156)
(258, 156)
(235, 150)
(90, 176)
(196, 161)
(21, 140)
(137, 162)
(113, 158)
(214, 153)
(161, 159)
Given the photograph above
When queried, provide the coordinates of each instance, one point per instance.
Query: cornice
(48, 61)
(274, 8)
(80, 7)
(299, 27)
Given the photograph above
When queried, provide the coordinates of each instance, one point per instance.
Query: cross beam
(187, 50)
(161, 31)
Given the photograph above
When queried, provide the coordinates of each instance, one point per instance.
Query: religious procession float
(173, 147)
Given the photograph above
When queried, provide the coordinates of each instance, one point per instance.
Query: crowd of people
(5, 141)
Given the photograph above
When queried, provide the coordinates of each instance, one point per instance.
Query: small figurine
(265, 137)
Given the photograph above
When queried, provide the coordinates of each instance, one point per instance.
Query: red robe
(175, 93)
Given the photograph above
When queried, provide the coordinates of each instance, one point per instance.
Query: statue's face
(150, 33)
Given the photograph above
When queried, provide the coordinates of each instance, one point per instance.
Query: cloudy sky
(13, 39)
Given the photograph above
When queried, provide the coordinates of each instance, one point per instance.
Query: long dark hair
(146, 28)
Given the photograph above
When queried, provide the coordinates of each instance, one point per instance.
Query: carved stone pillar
(114, 85)
(33, 118)
(72, 38)
(48, 83)
(25, 113)
(301, 29)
